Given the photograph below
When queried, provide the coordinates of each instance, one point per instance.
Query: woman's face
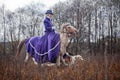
(50, 15)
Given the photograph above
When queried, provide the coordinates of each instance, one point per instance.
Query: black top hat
(49, 12)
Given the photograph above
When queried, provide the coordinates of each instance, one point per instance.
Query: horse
(65, 32)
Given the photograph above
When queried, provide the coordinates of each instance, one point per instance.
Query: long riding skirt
(45, 48)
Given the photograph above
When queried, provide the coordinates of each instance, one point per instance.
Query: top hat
(49, 12)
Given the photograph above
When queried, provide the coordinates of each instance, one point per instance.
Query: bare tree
(4, 28)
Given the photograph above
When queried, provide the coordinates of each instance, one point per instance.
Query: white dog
(75, 58)
(71, 60)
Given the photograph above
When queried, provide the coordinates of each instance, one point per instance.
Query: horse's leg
(27, 57)
(63, 61)
(61, 57)
(67, 54)
(58, 60)
(34, 61)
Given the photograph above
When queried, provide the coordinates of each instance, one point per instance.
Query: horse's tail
(19, 47)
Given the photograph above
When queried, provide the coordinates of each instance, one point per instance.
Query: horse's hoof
(36, 63)
(65, 64)
(58, 65)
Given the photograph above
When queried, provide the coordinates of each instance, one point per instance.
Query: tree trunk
(89, 32)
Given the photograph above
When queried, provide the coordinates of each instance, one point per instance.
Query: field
(92, 68)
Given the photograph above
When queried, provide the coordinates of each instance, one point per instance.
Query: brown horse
(65, 33)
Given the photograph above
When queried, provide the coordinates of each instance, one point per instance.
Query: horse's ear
(63, 26)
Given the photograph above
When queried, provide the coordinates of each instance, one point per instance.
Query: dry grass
(93, 68)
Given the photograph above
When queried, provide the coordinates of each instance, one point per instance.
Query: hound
(75, 58)
(72, 59)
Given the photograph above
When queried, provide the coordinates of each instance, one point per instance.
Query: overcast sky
(13, 4)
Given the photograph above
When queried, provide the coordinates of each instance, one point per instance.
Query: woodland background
(98, 40)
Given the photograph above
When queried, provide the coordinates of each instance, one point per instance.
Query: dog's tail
(20, 45)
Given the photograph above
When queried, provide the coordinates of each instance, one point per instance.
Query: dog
(75, 59)
(72, 59)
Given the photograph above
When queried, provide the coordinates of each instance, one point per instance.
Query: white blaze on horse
(65, 33)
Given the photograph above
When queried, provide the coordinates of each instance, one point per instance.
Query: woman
(48, 22)
(47, 47)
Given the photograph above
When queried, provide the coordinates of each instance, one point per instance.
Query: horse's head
(67, 28)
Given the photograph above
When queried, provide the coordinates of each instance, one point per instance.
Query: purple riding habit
(45, 48)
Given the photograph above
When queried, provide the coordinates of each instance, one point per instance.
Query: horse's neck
(64, 36)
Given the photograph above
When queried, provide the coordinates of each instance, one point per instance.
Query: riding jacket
(48, 25)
